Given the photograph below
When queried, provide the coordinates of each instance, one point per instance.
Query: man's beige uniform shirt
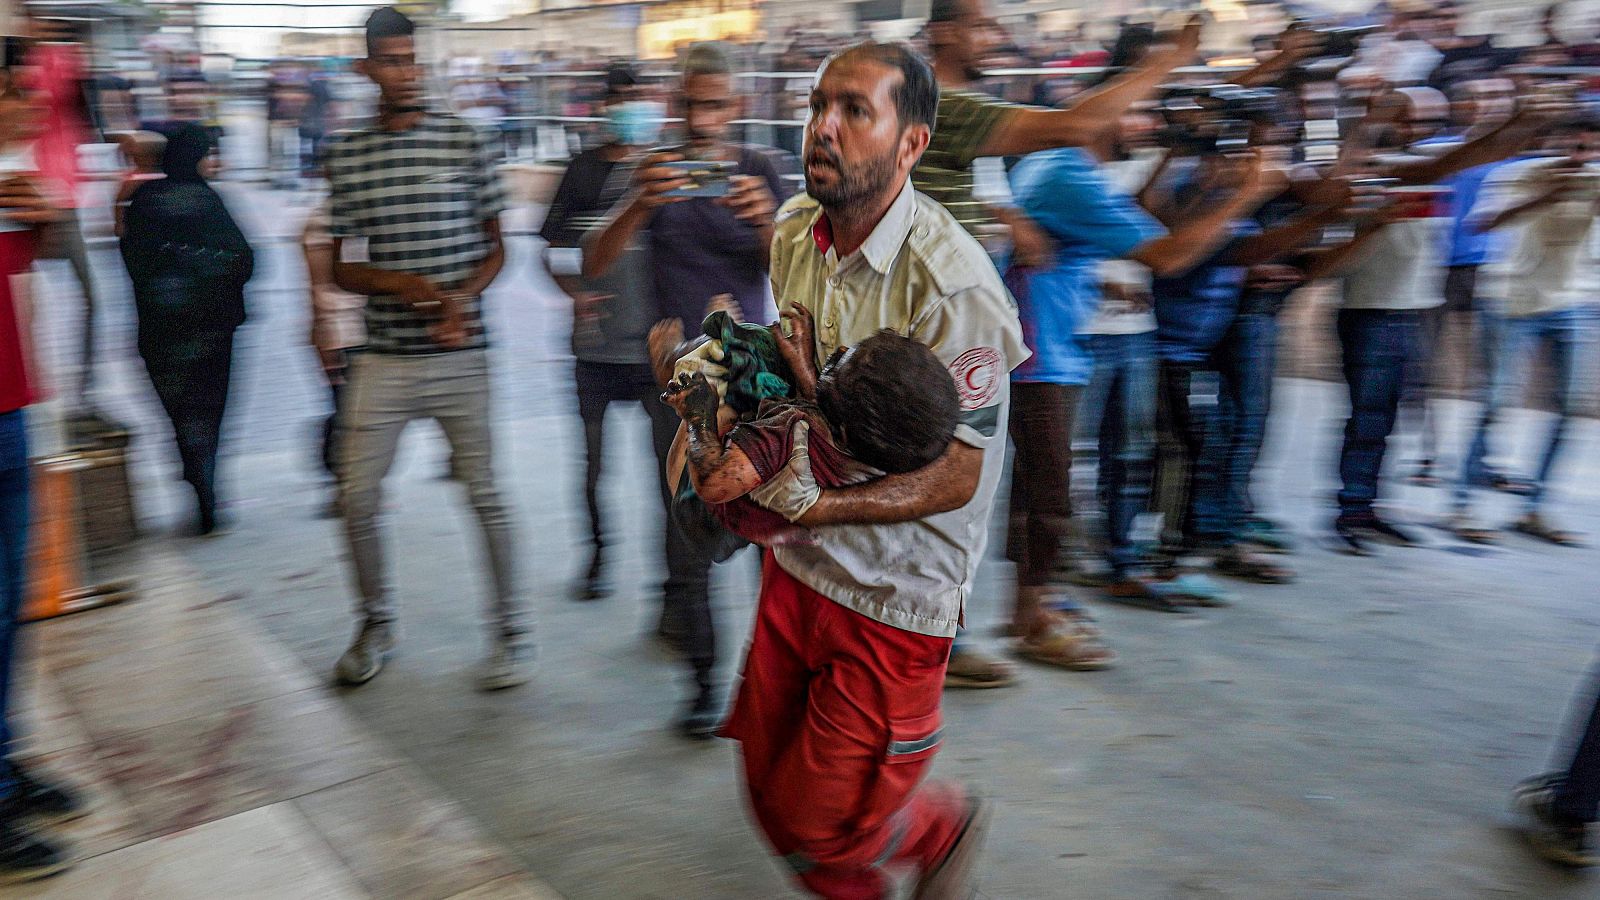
(920, 274)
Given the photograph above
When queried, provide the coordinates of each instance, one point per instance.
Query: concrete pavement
(1353, 734)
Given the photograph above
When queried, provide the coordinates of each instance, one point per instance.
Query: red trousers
(838, 720)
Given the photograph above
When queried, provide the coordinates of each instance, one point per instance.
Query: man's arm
(1191, 241)
(1295, 46)
(1559, 189)
(1029, 130)
(1492, 146)
(1285, 239)
(946, 484)
(489, 267)
(606, 242)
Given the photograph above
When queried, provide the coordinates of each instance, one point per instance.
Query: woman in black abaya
(189, 262)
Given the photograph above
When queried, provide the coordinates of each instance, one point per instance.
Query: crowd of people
(1112, 261)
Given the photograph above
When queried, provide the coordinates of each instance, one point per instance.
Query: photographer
(1090, 220)
(1388, 277)
(701, 247)
(1545, 208)
(1207, 452)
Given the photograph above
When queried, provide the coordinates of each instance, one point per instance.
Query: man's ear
(359, 66)
(939, 33)
(913, 143)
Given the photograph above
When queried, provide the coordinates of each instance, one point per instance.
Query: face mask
(636, 122)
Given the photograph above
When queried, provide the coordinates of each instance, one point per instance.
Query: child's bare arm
(720, 472)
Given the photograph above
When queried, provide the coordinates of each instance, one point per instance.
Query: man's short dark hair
(916, 97)
(894, 400)
(946, 11)
(388, 22)
(619, 77)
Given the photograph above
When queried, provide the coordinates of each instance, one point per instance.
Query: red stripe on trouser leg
(835, 716)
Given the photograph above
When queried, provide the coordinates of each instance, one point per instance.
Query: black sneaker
(1386, 533)
(1348, 537)
(24, 857)
(43, 800)
(1552, 837)
(704, 717)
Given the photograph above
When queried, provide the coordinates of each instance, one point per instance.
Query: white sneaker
(506, 666)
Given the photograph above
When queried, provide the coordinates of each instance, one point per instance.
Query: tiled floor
(213, 764)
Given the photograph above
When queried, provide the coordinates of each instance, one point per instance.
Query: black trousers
(686, 595)
(1578, 796)
(191, 372)
(600, 385)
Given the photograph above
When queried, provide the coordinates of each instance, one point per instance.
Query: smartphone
(707, 178)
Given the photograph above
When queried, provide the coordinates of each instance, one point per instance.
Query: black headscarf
(187, 258)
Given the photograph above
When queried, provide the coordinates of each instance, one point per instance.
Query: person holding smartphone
(701, 248)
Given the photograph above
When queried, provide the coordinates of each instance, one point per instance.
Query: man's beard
(855, 184)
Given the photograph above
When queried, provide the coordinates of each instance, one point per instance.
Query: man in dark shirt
(612, 314)
(705, 252)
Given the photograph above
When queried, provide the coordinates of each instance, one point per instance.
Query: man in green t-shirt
(972, 125)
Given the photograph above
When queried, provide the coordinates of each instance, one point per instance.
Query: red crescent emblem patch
(977, 373)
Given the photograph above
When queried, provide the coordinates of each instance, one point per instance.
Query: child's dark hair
(894, 402)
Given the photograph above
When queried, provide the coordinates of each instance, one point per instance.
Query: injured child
(886, 406)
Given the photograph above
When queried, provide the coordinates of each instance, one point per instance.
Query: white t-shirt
(1402, 266)
(1117, 316)
(1548, 263)
(12, 162)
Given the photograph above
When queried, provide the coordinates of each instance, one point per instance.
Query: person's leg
(1049, 628)
(1179, 449)
(1427, 380)
(686, 617)
(593, 398)
(1131, 424)
(330, 428)
(459, 399)
(1097, 403)
(1041, 428)
(381, 402)
(845, 796)
(1568, 335)
(23, 857)
(76, 251)
(212, 374)
(14, 517)
(1577, 793)
(1375, 346)
(1504, 349)
(769, 702)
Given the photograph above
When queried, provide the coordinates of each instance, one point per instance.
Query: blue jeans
(1244, 361)
(1120, 403)
(1567, 335)
(1378, 345)
(13, 554)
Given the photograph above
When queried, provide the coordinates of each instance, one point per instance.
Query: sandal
(1534, 526)
(1076, 620)
(971, 670)
(1464, 530)
(1066, 650)
(1251, 568)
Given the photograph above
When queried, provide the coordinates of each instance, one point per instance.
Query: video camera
(1344, 41)
(1217, 118)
